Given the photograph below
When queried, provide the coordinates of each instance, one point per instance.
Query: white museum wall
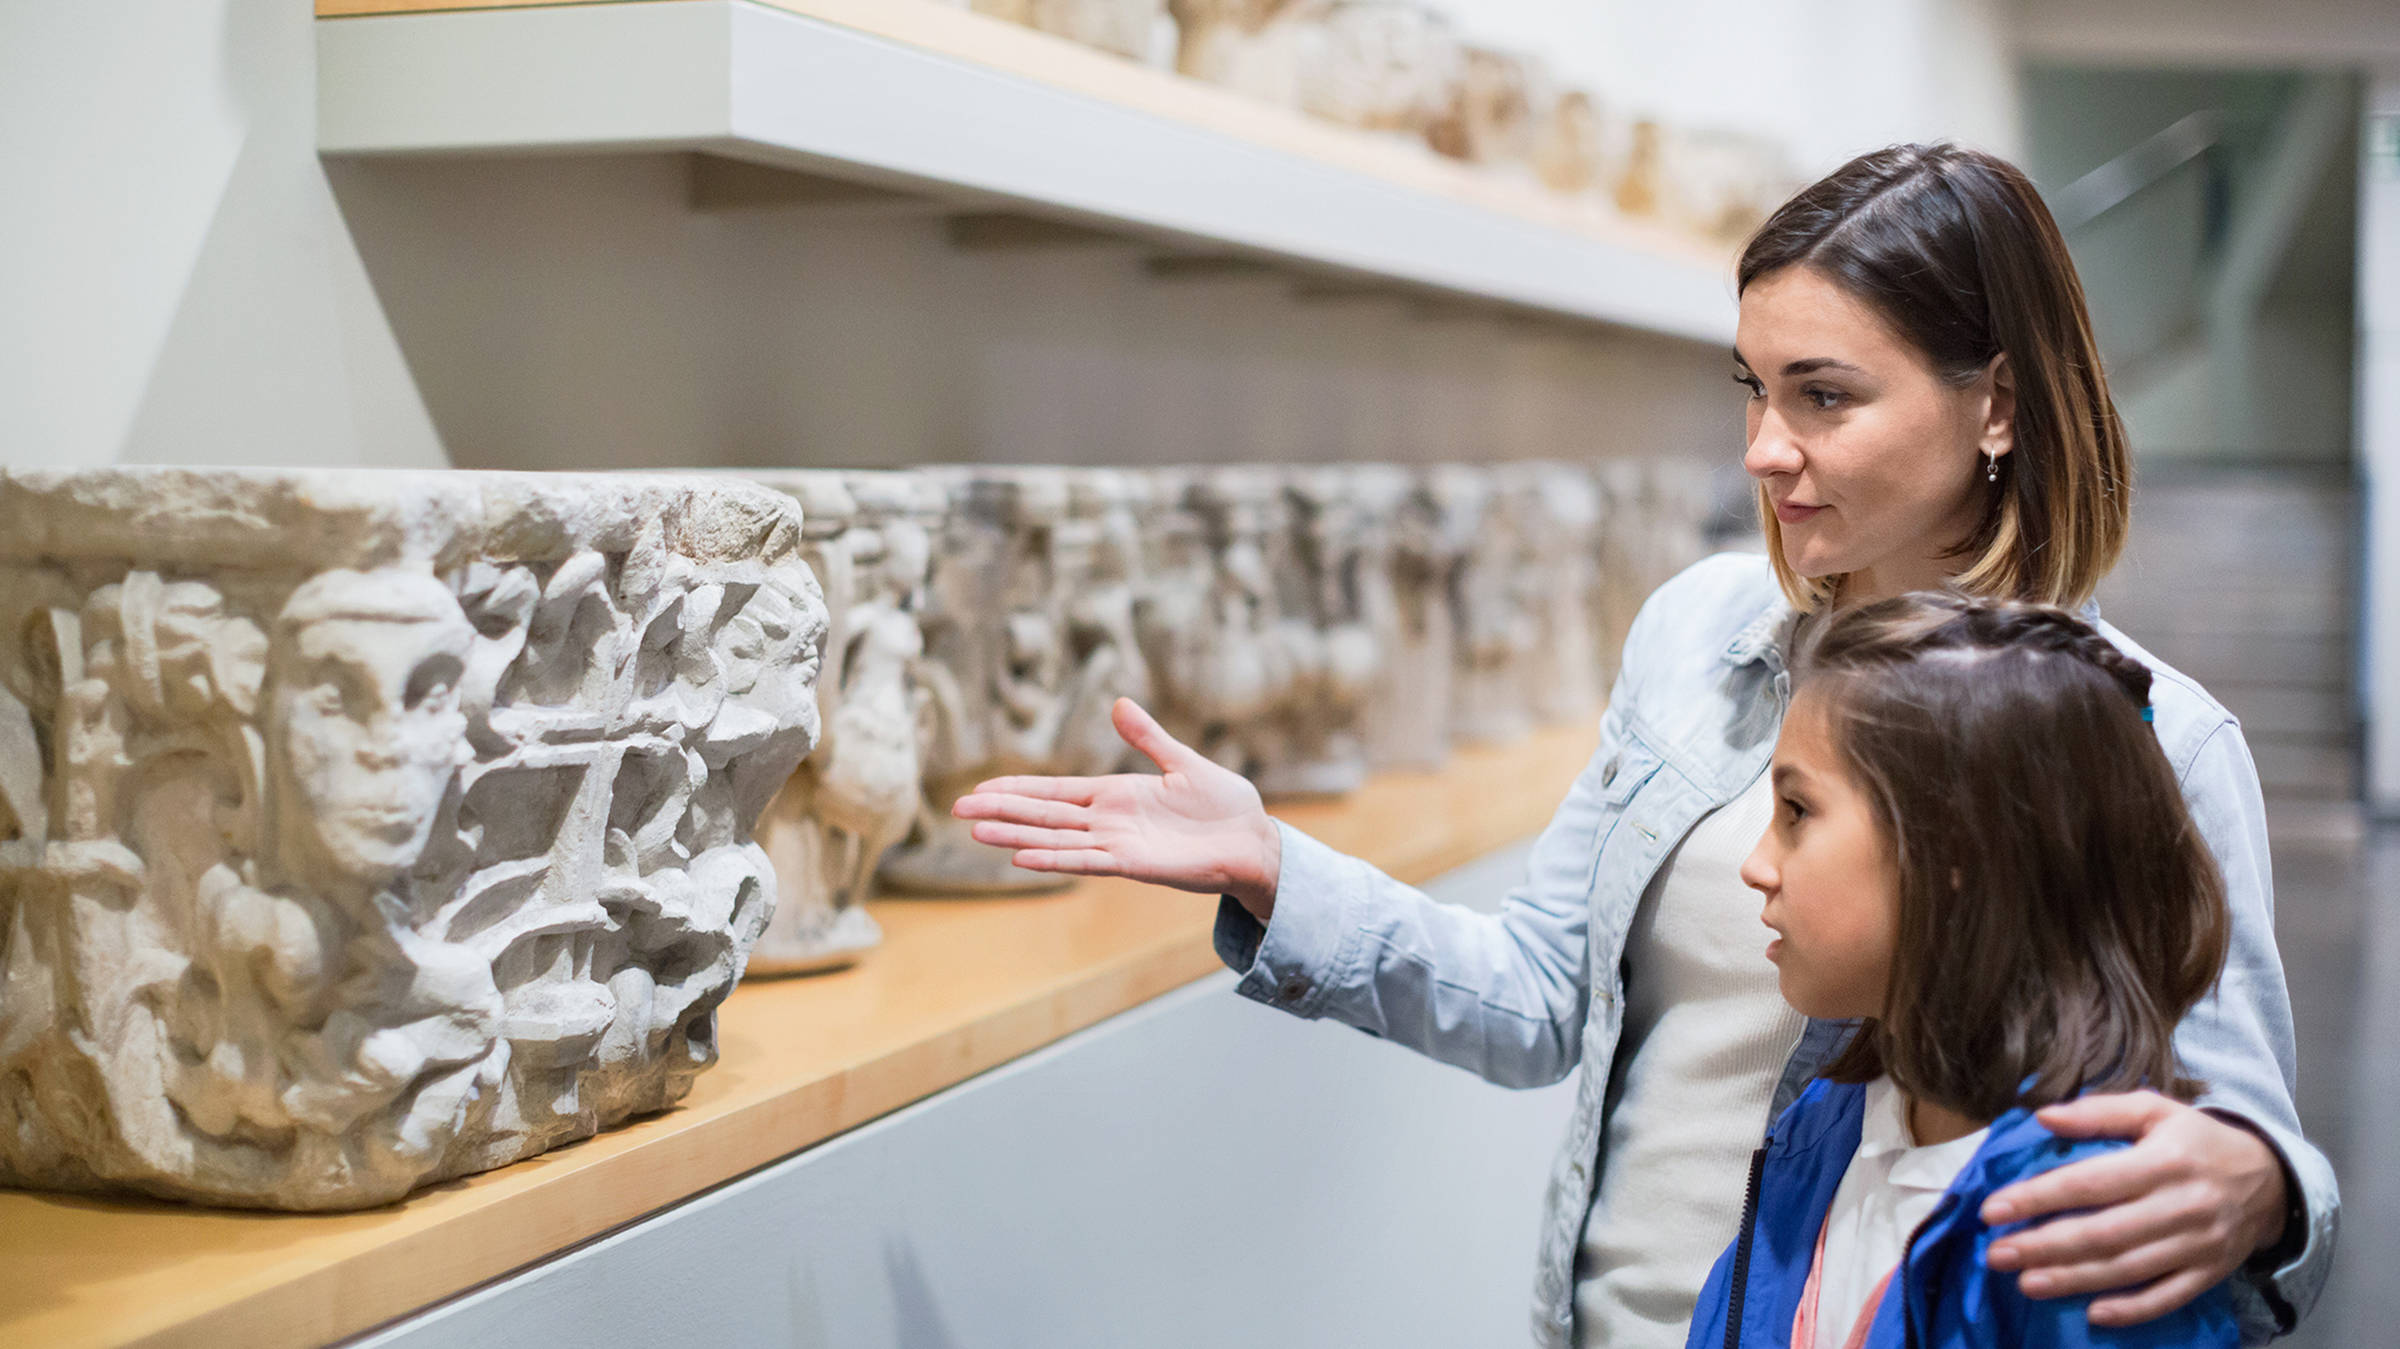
(176, 284)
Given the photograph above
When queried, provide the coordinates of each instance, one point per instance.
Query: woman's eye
(1751, 382)
(1824, 399)
(1793, 810)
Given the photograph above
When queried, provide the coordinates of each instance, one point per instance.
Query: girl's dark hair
(1956, 251)
(2059, 911)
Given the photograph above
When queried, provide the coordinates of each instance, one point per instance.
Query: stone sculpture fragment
(360, 830)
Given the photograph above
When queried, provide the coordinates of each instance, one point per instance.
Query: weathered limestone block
(1499, 104)
(1626, 554)
(364, 829)
(1229, 686)
(1499, 565)
(869, 539)
(1139, 29)
(1433, 526)
(1380, 65)
(1029, 633)
(1721, 184)
(1559, 505)
(1334, 602)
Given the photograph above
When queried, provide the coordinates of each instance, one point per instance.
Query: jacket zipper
(1741, 1253)
(1908, 1320)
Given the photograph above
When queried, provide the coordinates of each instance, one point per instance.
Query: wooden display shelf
(961, 986)
(979, 114)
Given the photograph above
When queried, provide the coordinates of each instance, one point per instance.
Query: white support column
(2378, 421)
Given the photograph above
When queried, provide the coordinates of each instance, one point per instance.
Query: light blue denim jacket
(1524, 995)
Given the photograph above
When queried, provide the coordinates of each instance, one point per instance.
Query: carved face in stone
(365, 729)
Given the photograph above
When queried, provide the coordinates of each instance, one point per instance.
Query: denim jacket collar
(1762, 637)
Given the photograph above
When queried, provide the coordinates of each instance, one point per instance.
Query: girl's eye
(1793, 810)
(1824, 399)
(1750, 382)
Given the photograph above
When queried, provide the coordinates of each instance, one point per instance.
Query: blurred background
(233, 234)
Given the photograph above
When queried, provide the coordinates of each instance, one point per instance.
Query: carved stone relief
(1498, 565)
(1558, 506)
(869, 539)
(1334, 602)
(360, 830)
(1432, 527)
(1029, 628)
(1230, 683)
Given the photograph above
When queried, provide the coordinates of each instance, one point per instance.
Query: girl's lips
(1792, 513)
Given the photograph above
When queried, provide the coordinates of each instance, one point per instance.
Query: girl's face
(1832, 887)
(1872, 461)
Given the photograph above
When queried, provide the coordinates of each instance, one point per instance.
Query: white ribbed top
(1706, 1036)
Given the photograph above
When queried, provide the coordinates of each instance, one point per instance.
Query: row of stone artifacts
(364, 829)
(1398, 67)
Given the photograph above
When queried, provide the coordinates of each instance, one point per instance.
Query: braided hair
(2059, 910)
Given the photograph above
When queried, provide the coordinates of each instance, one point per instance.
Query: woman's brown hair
(1956, 251)
(2059, 911)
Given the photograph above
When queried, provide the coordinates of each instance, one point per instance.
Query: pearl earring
(1991, 471)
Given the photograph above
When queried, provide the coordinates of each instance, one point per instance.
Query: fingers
(2095, 1182)
(1013, 809)
(1074, 791)
(1001, 835)
(2148, 1304)
(2122, 1259)
(1069, 861)
(1142, 731)
(2127, 1114)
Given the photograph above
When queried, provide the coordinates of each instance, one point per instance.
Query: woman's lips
(1792, 513)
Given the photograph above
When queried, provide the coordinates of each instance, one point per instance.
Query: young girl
(1979, 853)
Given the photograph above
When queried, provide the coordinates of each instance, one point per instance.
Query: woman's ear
(1999, 430)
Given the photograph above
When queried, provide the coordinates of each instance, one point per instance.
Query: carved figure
(1333, 601)
(870, 542)
(1489, 592)
(1559, 507)
(1233, 672)
(367, 829)
(1139, 29)
(1380, 65)
(1497, 108)
(1434, 520)
(1029, 638)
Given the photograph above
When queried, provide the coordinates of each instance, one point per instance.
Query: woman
(1926, 408)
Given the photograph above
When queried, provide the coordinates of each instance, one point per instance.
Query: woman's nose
(1771, 450)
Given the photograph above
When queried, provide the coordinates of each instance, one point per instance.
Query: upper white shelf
(923, 97)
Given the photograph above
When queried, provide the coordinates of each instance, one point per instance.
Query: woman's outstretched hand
(1199, 827)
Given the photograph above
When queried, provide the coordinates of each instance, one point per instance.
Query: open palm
(1199, 826)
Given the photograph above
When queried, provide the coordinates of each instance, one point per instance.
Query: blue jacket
(1535, 992)
(1943, 1297)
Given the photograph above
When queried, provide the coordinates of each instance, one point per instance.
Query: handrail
(2104, 189)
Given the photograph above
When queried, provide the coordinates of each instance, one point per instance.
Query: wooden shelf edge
(962, 986)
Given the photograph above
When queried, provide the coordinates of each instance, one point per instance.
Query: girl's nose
(1758, 870)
